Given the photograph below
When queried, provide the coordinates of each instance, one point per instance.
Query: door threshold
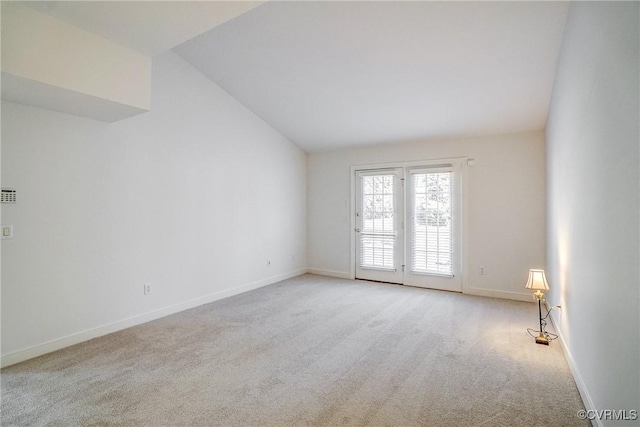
(408, 286)
(379, 281)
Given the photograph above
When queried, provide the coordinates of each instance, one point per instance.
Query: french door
(379, 227)
(408, 226)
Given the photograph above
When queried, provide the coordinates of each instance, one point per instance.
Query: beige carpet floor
(310, 351)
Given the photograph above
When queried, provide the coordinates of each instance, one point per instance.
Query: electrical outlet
(482, 270)
(147, 288)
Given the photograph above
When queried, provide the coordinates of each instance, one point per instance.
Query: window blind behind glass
(377, 237)
(432, 231)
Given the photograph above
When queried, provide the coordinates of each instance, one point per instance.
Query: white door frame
(461, 162)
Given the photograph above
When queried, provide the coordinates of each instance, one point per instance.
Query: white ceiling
(331, 75)
(149, 27)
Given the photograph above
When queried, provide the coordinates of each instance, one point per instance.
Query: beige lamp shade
(537, 281)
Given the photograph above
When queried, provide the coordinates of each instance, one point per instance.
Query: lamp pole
(541, 339)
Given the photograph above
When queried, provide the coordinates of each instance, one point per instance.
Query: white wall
(506, 206)
(43, 54)
(593, 202)
(192, 197)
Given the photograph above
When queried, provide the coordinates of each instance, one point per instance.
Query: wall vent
(8, 195)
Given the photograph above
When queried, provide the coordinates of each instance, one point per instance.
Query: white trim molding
(80, 337)
(517, 296)
(577, 377)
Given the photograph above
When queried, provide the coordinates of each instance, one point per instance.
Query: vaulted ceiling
(334, 74)
(330, 75)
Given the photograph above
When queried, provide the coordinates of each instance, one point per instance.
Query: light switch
(7, 231)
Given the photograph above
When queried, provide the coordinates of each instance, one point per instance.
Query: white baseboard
(517, 296)
(330, 273)
(77, 338)
(577, 377)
